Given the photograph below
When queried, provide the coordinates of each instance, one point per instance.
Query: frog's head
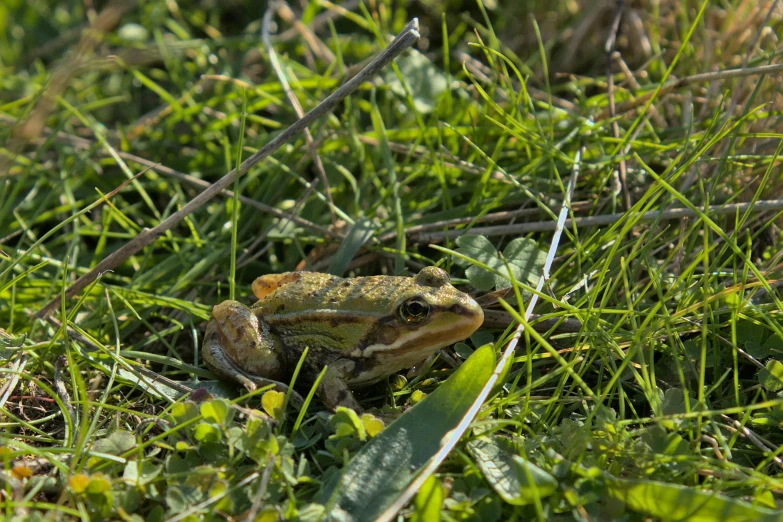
(425, 315)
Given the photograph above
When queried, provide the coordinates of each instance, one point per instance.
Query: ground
(646, 385)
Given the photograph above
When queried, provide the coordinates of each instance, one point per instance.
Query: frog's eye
(413, 310)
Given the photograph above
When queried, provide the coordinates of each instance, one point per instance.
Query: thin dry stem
(673, 85)
(275, 63)
(610, 51)
(606, 219)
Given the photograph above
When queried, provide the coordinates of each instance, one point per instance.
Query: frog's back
(327, 314)
(269, 283)
(295, 293)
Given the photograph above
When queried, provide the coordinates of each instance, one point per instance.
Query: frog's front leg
(235, 348)
(334, 391)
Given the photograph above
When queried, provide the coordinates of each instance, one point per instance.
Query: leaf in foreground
(428, 501)
(771, 376)
(516, 480)
(388, 463)
(675, 502)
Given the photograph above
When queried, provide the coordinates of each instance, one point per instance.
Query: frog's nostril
(469, 310)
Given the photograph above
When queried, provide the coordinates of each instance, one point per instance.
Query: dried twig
(319, 167)
(503, 215)
(445, 158)
(405, 39)
(610, 50)
(258, 498)
(729, 111)
(715, 447)
(764, 446)
(673, 85)
(275, 63)
(332, 13)
(759, 31)
(306, 32)
(150, 378)
(62, 391)
(606, 219)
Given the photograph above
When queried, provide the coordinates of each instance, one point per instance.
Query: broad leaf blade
(674, 502)
(386, 465)
(516, 480)
(480, 249)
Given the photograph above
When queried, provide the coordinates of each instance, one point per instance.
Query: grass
(650, 388)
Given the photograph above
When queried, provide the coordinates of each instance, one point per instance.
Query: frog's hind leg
(216, 358)
(249, 381)
(219, 363)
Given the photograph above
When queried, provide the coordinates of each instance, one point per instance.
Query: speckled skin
(363, 329)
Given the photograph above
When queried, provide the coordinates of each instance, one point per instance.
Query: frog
(360, 330)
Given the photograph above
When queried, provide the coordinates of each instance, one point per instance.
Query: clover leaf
(524, 259)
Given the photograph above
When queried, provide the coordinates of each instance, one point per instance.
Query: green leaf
(360, 233)
(476, 247)
(346, 423)
(78, 483)
(206, 432)
(516, 480)
(98, 484)
(425, 81)
(480, 249)
(756, 350)
(674, 402)
(773, 346)
(660, 441)
(385, 466)
(131, 473)
(693, 352)
(674, 502)
(141, 473)
(308, 513)
(149, 472)
(522, 255)
(771, 377)
(372, 424)
(463, 350)
(750, 331)
(480, 278)
(218, 411)
(481, 337)
(272, 402)
(526, 262)
(428, 501)
(116, 444)
(184, 411)
(176, 499)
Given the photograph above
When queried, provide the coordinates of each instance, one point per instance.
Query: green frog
(361, 329)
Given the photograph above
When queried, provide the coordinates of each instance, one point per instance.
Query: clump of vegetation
(647, 383)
